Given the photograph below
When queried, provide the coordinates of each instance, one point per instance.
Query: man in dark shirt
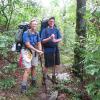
(51, 36)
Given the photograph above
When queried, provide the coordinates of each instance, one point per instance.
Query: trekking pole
(44, 76)
(54, 70)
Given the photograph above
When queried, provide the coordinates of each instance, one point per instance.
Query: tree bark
(80, 39)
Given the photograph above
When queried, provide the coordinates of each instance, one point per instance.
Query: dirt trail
(33, 93)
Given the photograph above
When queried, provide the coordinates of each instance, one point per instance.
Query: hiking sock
(33, 78)
(24, 86)
(24, 83)
(33, 81)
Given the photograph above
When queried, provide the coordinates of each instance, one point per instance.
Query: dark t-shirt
(47, 32)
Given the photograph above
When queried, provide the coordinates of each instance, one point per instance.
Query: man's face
(34, 25)
(51, 22)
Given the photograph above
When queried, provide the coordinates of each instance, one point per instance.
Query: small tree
(80, 39)
(7, 9)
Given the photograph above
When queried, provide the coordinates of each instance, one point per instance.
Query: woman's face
(51, 22)
(33, 25)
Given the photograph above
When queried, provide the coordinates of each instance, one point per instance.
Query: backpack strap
(23, 45)
(37, 36)
(46, 31)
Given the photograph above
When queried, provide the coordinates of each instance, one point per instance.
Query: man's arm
(43, 36)
(28, 45)
(46, 40)
(39, 46)
(26, 41)
(57, 40)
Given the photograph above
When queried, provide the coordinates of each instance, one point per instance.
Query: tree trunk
(10, 8)
(80, 39)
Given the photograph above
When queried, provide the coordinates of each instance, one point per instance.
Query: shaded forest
(79, 23)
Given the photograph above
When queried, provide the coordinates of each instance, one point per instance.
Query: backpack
(44, 24)
(18, 39)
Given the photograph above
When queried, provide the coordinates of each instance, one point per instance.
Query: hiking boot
(23, 89)
(33, 83)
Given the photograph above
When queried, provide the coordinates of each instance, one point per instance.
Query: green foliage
(7, 83)
(31, 91)
(93, 89)
(64, 89)
(92, 56)
(7, 38)
(11, 68)
(12, 12)
(3, 40)
(92, 69)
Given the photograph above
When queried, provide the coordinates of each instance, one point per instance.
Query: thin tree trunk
(3, 7)
(79, 51)
(9, 21)
(8, 18)
(80, 39)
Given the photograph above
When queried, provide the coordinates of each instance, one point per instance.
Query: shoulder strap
(37, 36)
(46, 31)
(22, 37)
(28, 33)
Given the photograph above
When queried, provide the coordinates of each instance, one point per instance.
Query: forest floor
(12, 92)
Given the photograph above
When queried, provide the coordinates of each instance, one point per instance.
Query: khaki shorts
(32, 58)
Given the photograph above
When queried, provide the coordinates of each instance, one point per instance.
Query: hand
(52, 37)
(54, 40)
(40, 52)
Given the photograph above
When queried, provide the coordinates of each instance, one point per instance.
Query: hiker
(30, 51)
(51, 36)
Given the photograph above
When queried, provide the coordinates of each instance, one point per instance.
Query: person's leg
(27, 70)
(24, 80)
(47, 61)
(34, 64)
(33, 75)
(57, 61)
(26, 74)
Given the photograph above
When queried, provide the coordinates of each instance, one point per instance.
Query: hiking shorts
(52, 59)
(30, 60)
